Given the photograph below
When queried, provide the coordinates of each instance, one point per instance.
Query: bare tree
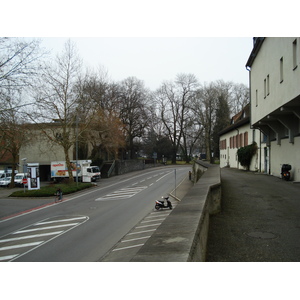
(106, 131)
(19, 62)
(19, 66)
(174, 100)
(58, 101)
(211, 107)
(13, 129)
(133, 108)
(240, 97)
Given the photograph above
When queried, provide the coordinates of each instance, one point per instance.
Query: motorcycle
(159, 204)
(285, 171)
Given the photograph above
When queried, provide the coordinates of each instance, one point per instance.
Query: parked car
(19, 179)
(5, 181)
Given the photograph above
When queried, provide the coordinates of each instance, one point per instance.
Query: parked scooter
(159, 204)
(285, 171)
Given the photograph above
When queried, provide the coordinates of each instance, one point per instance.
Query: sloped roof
(241, 118)
(257, 42)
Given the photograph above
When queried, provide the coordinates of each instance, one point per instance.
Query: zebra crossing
(124, 193)
(134, 240)
(20, 242)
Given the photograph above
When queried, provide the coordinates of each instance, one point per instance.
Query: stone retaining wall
(127, 166)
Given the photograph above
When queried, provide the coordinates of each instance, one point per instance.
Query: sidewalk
(259, 221)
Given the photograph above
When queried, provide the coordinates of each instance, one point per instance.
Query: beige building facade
(43, 151)
(240, 134)
(274, 76)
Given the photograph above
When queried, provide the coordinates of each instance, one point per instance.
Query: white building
(274, 70)
(239, 134)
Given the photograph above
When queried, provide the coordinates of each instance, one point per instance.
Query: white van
(4, 174)
(19, 179)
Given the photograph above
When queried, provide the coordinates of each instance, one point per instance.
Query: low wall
(127, 166)
(183, 235)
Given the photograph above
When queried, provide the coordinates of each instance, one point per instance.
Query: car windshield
(18, 176)
(6, 179)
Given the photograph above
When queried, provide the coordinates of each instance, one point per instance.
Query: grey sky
(155, 60)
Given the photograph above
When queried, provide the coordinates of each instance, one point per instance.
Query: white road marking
(124, 193)
(60, 220)
(30, 236)
(7, 257)
(45, 228)
(20, 246)
(15, 241)
(152, 220)
(139, 245)
(148, 225)
(138, 232)
(141, 238)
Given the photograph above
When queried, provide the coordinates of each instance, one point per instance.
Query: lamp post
(76, 150)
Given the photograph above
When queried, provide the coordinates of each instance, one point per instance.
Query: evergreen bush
(245, 154)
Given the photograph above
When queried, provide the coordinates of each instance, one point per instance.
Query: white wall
(228, 156)
(267, 63)
(286, 153)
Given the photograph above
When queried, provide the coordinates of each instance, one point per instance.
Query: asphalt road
(86, 225)
(259, 221)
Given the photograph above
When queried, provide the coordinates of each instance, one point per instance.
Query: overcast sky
(155, 60)
(154, 40)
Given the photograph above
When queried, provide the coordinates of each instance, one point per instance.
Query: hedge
(47, 191)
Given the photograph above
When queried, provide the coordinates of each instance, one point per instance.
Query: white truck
(86, 172)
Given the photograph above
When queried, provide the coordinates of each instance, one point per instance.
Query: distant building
(239, 134)
(274, 67)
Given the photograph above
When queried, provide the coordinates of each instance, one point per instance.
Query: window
(241, 140)
(281, 69)
(264, 138)
(294, 54)
(256, 97)
(246, 138)
(267, 86)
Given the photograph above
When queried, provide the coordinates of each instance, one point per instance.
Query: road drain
(262, 235)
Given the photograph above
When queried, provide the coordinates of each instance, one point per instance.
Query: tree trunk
(69, 166)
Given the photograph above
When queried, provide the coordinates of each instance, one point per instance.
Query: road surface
(86, 225)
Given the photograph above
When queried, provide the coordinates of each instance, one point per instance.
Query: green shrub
(245, 154)
(47, 191)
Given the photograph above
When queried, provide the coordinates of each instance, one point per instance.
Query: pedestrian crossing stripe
(25, 240)
(124, 193)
